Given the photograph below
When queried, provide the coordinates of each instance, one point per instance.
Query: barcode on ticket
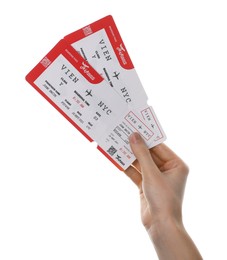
(112, 150)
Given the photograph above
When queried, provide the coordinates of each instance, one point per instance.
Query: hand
(161, 177)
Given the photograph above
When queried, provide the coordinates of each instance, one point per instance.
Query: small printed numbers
(112, 150)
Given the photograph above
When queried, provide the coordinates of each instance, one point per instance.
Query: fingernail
(134, 138)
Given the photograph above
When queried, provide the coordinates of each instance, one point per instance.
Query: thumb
(142, 154)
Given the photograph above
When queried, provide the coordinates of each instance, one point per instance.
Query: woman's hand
(161, 177)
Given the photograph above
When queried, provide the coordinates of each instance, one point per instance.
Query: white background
(59, 197)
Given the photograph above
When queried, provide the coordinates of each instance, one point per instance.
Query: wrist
(165, 228)
(171, 241)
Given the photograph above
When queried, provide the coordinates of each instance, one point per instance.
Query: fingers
(163, 153)
(169, 160)
(141, 152)
(155, 158)
(160, 155)
(134, 175)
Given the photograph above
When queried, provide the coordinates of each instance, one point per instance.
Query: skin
(161, 176)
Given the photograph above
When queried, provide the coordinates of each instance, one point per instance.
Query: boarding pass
(101, 45)
(87, 101)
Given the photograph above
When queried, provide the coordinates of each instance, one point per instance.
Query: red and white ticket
(101, 45)
(85, 99)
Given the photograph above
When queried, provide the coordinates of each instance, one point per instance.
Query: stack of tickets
(90, 79)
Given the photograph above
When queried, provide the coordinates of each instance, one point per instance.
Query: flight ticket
(83, 97)
(89, 78)
(100, 43)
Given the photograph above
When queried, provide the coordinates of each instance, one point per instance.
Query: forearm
(172, 242)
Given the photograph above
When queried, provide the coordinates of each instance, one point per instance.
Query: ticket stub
(101, 45)
(151, 119)
(85, 99)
